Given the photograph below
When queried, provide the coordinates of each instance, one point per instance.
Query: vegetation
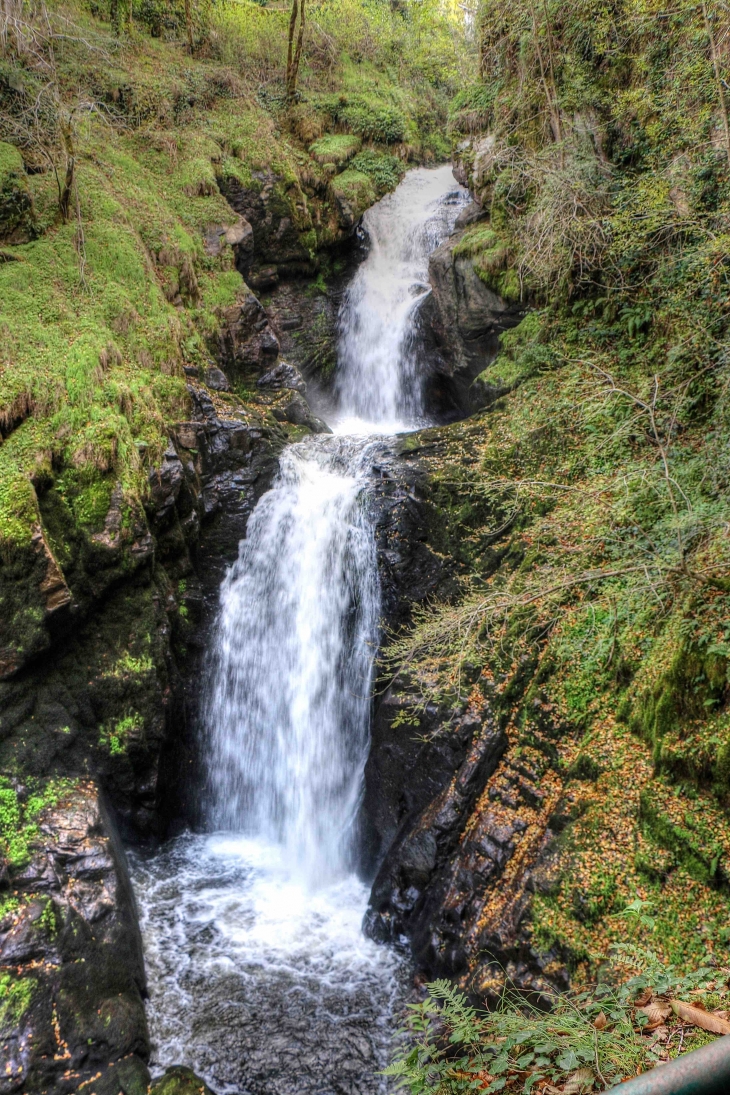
(587, 510)
(600, 1037)
(119, 124)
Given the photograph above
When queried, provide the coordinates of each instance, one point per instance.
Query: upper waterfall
(379, 383)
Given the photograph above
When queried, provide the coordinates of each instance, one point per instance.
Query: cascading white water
(288, 710)
(259, 974)
(379, 377)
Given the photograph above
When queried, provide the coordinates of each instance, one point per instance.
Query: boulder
(283, 376)
(216, 379)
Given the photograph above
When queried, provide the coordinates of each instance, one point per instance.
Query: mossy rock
(373, 121)
(353, 193)
(179, 1080)
(335, 148)
(385, 170)
(16, 204)
(491, 260)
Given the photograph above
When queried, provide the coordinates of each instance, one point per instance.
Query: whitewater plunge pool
(260, 977)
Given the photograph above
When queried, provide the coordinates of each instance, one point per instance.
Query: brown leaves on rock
(707, 1020)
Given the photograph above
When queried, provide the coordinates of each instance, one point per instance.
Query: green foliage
(117, 736)
(19, 817)
(585, 1038)
(385, 171)
(372, 120)
(335, 148)
(491, 258)
(356, 188)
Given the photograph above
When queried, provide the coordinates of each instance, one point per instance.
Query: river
(260, 977)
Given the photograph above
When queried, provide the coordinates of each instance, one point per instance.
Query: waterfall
(288, 710)
(260, 977)
(379, 378)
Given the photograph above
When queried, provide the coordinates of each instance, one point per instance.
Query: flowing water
(260, 977)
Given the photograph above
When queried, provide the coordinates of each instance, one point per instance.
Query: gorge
(268, 913)
(363, 543)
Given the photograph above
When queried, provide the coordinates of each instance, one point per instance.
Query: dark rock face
(459, 816)
(71, 951)
(467, 318)
(246, 341)
(108, 692)
(278, 219)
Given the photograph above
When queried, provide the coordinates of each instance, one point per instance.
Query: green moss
(335, 148)
(355, 188)
(490, 255)
(12, 839)
(16, 994)
(18, 820)
(373, 120)
(386, 171)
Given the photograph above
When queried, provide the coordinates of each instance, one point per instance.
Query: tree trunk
(189, 22)
(718, 77)
(294, 54)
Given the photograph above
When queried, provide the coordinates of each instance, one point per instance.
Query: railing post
(705, 1071)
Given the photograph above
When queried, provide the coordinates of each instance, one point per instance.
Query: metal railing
(705, 1071)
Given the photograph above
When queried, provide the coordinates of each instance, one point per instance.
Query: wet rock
(179, 1080)
(283, 376)
(216, 379)
(246, 342)
(467, 318)
(263, 277)
(470, 215)
(72, 952)
(238, 235)
(428, 838)
(278, 214)
(297, 412)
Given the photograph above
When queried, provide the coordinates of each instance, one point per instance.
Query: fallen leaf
(700, 1018)
(659, 1036)
(600, 1021)
(580, 1081)
(644, 998)
(656, 1012)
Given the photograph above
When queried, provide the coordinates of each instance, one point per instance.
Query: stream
(260, 977)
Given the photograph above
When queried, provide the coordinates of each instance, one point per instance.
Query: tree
(294, 55)
(189, 23)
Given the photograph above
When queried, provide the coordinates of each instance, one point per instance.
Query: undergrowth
(571, 1043)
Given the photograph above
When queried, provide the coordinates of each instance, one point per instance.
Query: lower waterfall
(260, 977)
